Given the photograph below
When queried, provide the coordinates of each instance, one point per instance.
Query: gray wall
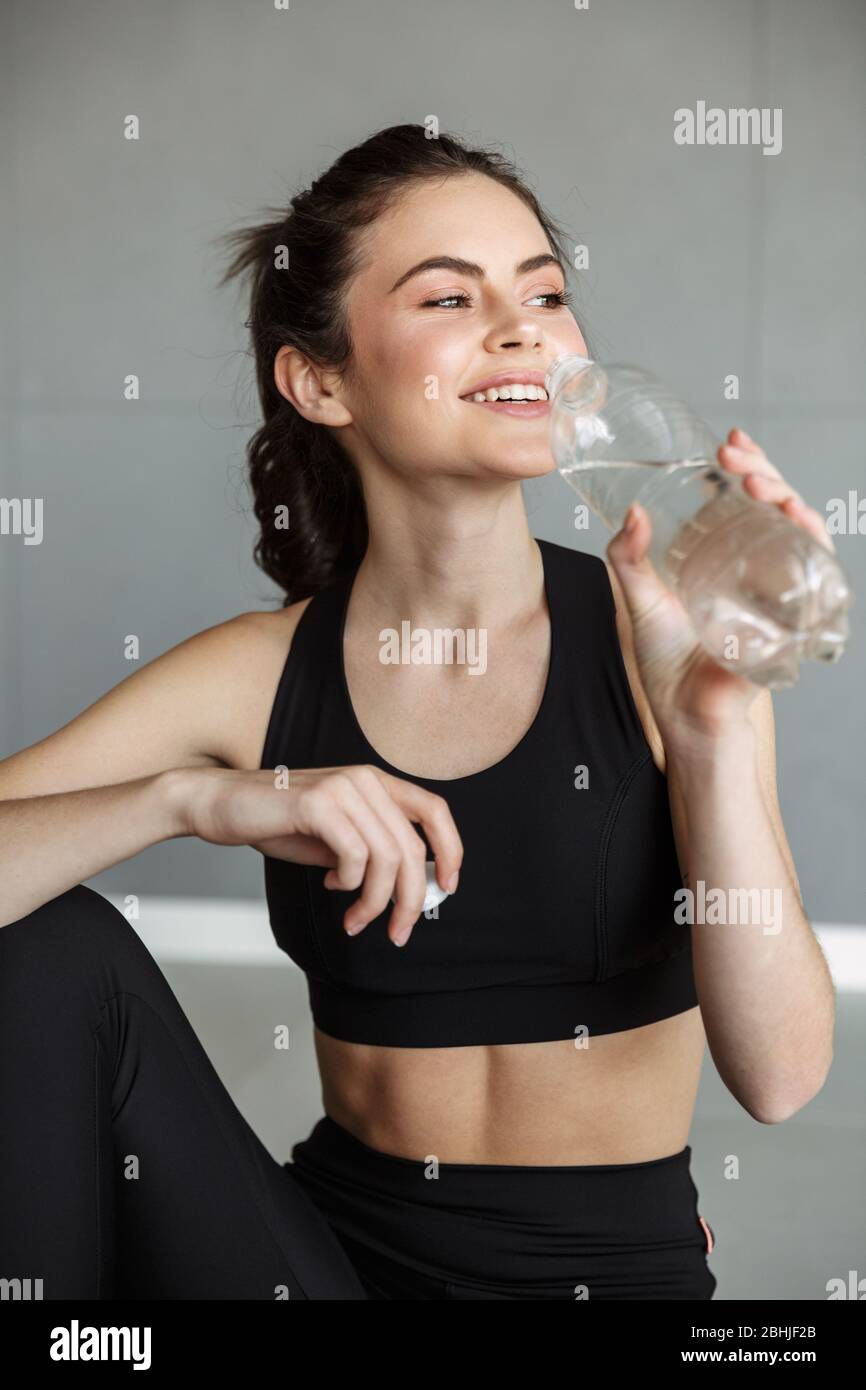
(704, 261)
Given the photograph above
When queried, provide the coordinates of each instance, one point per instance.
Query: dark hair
(293, 462)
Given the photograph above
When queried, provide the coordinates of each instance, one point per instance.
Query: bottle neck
(561, 368)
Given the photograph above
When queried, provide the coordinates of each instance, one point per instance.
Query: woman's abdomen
(623, 1097)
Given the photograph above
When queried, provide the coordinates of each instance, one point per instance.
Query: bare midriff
(622, 1098)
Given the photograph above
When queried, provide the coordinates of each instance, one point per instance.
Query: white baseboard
(220, 931)
(845, 948)
(236, 931)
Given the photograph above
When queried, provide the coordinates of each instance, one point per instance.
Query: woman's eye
(434, 303)
(558, 298)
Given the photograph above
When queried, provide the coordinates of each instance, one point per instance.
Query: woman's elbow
(775, 1108)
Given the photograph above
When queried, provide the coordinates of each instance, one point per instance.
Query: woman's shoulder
(267, 628)
(255, 646)
(204, 701)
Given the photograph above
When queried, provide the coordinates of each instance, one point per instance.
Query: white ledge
(220, 931)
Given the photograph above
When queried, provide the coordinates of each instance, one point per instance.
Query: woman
(508, 1095)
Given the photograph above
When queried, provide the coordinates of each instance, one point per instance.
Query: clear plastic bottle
(761, 593)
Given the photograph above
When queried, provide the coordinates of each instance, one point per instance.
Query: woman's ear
(306, 387)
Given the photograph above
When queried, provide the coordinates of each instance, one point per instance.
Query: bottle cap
(435, 894)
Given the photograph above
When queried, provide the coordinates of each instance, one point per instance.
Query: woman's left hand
(691, 695)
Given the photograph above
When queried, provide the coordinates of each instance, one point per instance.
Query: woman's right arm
(114, 779)
(152, 760)
(49, 843)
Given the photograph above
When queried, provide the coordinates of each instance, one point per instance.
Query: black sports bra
(563, 919)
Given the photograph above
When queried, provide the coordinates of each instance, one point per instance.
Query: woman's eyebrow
(461, 267)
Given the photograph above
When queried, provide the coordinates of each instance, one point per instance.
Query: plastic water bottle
(761, 593)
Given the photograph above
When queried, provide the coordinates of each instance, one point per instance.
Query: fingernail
(630, 519)
(354, 926)
(743, 435)
(453, 880)
(402, 937)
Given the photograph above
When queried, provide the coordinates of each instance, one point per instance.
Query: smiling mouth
(530, 410)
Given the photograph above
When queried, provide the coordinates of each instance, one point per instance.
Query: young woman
(508, 1081)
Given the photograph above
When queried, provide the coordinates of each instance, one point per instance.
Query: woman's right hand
(357, 821)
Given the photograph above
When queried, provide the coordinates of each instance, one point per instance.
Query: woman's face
(425, 341)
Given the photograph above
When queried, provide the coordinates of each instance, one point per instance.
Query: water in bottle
(762, 594)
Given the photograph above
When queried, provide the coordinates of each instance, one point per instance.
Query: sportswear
(564, 915)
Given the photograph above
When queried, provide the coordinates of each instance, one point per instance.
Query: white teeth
(517, 391)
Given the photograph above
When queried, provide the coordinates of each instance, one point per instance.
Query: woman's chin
(521, 469)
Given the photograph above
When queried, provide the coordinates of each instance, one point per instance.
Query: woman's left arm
(766, 994)
(765, 991)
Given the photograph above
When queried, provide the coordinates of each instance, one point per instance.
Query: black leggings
(422, 1229)
(127, 1171)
